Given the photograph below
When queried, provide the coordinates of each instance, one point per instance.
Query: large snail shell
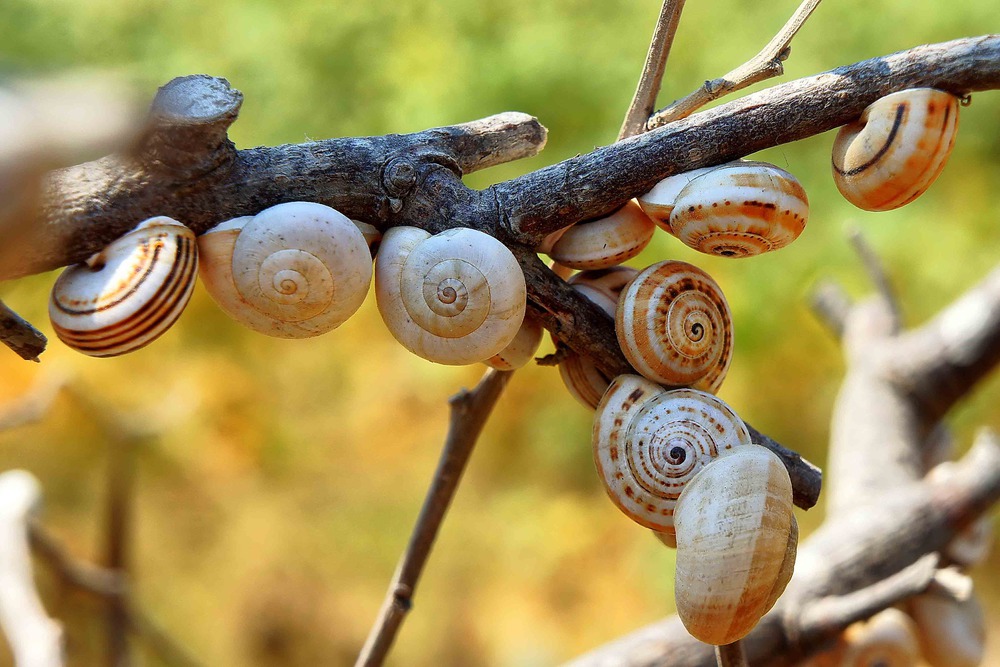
(898, 147)
(735, 544)
(952, 633)
(658, 203)
(454, 298)
(294, 270)
(649, 443)
(605, 242)
(585, 382)
(128, 294)
(674, 326)
(740, 209)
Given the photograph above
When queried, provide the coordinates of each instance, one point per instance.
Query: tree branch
(765, 65)
(469, 412)
(18, 334)
(644, 100)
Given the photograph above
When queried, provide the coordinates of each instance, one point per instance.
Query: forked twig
(765, 65)
(644, 100)
(469, 412)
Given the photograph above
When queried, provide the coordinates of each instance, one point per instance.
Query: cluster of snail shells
(896, 149)
(681, 463)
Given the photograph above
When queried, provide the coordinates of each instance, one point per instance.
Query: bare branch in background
(35, 639)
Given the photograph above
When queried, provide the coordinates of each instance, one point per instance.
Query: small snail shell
(128, 294)
(674, 326)
(952, 633)
(521, 350)
(649, 443)
(888, 638)
(371, 233)
(736, 541)
(606, 242)
(454, 298)
(585, 382)
(658, 203)
(294, 270)
(898, 147)
(740, 209)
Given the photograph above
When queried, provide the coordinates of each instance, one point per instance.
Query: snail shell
(658, 203)
(127, 295)
(585, 382)
(898, 147)
(740, 209)
(606, 242)
(736, 542)
(649, 443)
(888, 638)
(674, 326)
(458, 297)
(951, 633)
(521, 350)
(294, 270)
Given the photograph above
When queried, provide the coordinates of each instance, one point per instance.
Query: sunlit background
(270, 513)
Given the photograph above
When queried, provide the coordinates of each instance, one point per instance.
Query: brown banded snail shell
(457, 297)
(294, 270)
(658, 203)
(128, 294)
(740, 209)
(736, 544)
(650, 442)
(896, 150)
(606, 242)
(674, 326)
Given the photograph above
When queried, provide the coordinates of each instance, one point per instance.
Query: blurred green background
(270, 514)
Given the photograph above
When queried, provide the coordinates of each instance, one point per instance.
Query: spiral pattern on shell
(294, 270)
(674, 326)
(740, 209)
(458, 297)
(650, 442)
(127, 295)
(897, 149)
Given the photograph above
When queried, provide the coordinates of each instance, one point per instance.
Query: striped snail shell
(674, 326)
(128, 294)
(736, 543)
(899, 146)
(584, 381)
(294, 270)
(649, 443)
(658, 203)
(457, 297)
(521, 350)
(740, 209)
(605, 242)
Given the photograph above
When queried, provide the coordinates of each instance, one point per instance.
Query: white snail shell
(951, 633)
(128, 294)
(585, 382)
(736, 543)
(649, 443)
(294, 270)
(458, 297)
(371, 233)
(896, 150)
(674, 326)
(888, 638)
(658, 203)
(740, 209)
(606, 242)
(521, 350)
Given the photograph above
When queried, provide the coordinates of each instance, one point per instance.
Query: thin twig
(765, 65)
(19, 335)
(731, 655)
(121, 473)
(876, 273)
(831, 305)
(469, 412)
(644, 100)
